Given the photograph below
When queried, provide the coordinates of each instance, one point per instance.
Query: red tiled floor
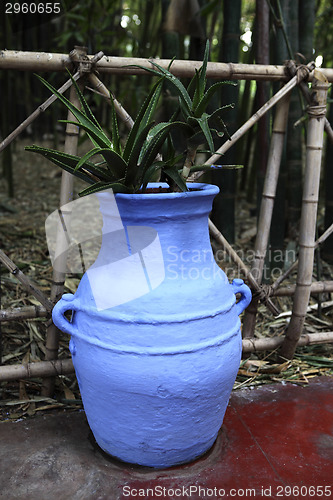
(276, 442)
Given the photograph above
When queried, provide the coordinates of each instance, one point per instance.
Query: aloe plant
(125, 169)
(193, 103)
(131, 167)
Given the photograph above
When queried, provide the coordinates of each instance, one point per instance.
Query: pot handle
(239, 286)
(66, 303)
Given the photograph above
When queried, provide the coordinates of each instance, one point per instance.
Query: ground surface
(276, 442)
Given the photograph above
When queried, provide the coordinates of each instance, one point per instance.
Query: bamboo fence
(81, 64)
(266, 207)
(316, 111)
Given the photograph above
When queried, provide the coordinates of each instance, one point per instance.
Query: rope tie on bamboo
(84, 63)
(264, 292)
(316, 111)
(302, 73)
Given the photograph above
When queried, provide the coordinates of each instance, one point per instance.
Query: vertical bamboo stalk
(314, 148)
(66, 195)
(266, 207)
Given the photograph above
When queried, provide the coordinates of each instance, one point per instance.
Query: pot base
(205, 455)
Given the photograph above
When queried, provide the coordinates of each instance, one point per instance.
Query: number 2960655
(32, 8)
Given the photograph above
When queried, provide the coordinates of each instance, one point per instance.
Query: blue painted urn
(155, 328)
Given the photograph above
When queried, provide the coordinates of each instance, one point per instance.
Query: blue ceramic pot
(156, 370)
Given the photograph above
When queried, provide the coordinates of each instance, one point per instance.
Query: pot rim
(196, 188)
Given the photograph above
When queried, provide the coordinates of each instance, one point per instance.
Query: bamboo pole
(254, 118)
(25, 281)
(292, 69)
(102, 90)
(66, 195)
(266, 207)
(0, 323)
(46, 104)
(36, 113)
(270, 184)
(266, 344)
(38, 369)
(58, 367)
(217, 235)
(33, 312)
(316, 112)
(316, 287)
(45, 61)
(294, 265)
(19, 313)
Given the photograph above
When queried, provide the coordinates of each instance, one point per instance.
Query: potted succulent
(155, 329)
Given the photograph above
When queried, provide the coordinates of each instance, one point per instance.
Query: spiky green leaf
(150, 174)
(204, 126)
(157, 141)
(115, 163)
(117, 187)
(201, 79)
(95, 133)
(206, 98)
(114, 129)
(176, 177)
(85, 107)
(143, 119)
(87, 172)
(132, 172)
(177, 85)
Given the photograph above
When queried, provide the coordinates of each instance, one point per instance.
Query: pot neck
(179, 219)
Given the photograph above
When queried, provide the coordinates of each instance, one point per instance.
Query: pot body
(155, 367)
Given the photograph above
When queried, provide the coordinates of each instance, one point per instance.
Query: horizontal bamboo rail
(46, 61)
(266, 344)
(33, 312)
(21, 313)
(38, 369)
(316, 287)
(43, 369)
